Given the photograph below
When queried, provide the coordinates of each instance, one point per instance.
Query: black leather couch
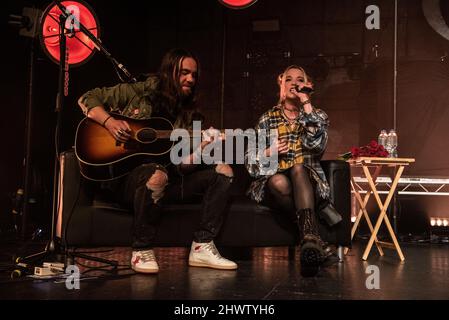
(90, 219)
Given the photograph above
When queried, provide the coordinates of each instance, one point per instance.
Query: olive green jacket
(140, 100)
(128, 99)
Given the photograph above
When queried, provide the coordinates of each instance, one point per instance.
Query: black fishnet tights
(292, 190)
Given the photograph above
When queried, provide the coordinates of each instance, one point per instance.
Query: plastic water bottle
(392, 144)
(382, 139)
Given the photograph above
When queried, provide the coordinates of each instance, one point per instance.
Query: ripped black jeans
(212, 186)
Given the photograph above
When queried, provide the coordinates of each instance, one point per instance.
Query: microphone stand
(51, 248)
(98, 45)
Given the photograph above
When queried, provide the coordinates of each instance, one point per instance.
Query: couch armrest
(76, 191)
(338, 174)
(76, 197)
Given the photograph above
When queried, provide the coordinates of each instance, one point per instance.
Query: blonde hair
(281, 81)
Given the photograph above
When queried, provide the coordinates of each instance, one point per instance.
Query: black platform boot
(330, 257)
(330, 216)
(311, 254)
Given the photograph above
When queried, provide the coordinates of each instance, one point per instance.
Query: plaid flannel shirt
(306, 141)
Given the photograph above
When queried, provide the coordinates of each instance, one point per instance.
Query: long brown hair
(169, 73)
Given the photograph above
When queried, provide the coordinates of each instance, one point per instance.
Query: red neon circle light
(237, 4)
(80, 47)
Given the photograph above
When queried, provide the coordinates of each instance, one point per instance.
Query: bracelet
(305, 102)
(105, 120)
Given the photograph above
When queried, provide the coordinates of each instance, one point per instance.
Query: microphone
(307, 90)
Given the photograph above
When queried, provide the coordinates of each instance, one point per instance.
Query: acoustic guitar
(101, 157)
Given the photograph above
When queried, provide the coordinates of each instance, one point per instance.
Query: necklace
(291, 110)
(287, 117)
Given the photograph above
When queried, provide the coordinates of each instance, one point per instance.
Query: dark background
(239, 65)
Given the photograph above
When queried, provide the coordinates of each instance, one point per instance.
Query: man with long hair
(169, 94)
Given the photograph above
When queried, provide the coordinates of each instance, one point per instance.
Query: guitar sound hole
(146, 135)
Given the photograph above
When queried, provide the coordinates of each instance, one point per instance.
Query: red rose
(355, 152)
(373, 144)
(373, 149)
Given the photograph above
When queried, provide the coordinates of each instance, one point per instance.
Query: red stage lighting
(80, 47)
(237, 4)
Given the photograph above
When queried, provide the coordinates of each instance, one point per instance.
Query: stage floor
(263, 274)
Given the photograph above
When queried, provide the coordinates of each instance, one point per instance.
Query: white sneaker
(144, 261)
(207, 255)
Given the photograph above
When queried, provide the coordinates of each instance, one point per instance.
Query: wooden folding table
(366, 163)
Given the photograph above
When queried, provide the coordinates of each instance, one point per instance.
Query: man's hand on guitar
(119, 129)
(210, 135)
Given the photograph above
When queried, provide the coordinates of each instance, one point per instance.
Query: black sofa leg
(341, 255)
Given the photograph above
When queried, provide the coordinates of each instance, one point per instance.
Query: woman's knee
(280, 184)
(298, 169)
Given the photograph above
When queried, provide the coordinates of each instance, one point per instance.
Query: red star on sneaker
(197, 248)
(136, 260)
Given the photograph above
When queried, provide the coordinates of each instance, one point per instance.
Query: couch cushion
(95, 219)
